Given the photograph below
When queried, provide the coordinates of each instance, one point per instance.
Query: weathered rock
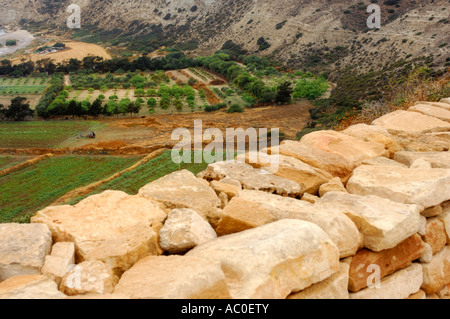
(252, 209)
(228, 189)
(56, 268)
(431, 110)
(436, 274)
(422, 225)
(411, 123)
(421, 163)
(389, 261)
(89, 277)
(374, 134)
(273, 260)
(445, 217)
(445, 100)
(334, 287)
(23, 248)
(183, 190)
(424, 187)
(336, 165)
(29, 287)
(112, 227)
(399, 285)
(441, 104)
(444, 293)
(429, 142)
(383, 223)
(308, 177)
(344, 145)
(435, 235)
(382, 161)
(310, 198)
(418, 295)
(436, 159)
(427, 256)
(64, 250)
(183, 230)
(99, 297)
(334, 185)
(432, 211)
(174, 277)
(251, 178)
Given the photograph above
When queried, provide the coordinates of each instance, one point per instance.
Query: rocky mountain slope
(321, 33)
(360, 214)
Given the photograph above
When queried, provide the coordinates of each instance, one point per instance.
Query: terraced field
(25, 192)
(41, 134)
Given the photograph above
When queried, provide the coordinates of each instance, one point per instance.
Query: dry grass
(404, 93)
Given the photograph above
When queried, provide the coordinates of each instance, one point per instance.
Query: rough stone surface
(441, 104)
(334, 185)
(429, 142)
(23, 248)
(174, 277)
(336, 165)
(382, 161)
(229, 190)
(383, 223)
(389, 261)
(411, 123)
(418, 295)
(251, 178)
(64, 250)
(427, 256)
(310, 198)
(424, 187)
(251, 209)
(308, 177)
(431, 110)
(436, 274)
(435, 235)
(183, 190)
(421, 163)
(273, 260)
(55, 268)
(89, 277)
(113, 227)
(334, 287)
(29, 287)
(445, 217)
(183, 230)
(436, 159)
(432, 211)
(399, 285)
(374, 134)
(344, 145)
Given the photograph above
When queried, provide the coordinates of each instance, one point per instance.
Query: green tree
(96, 108)
(151, 102)
(19, 109)
(284, 92)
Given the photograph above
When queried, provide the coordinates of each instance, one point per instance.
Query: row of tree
(95, 64)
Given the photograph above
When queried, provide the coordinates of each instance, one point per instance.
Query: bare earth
(76, 50)
(24, 39)
(157, 129)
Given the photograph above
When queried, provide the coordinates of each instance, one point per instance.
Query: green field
(23, 86)
(8, 161)
(25, 192)
(156, 168)
(41, 134)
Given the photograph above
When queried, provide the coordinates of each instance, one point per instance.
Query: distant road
(24, 39)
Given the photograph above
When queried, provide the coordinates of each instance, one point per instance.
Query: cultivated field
(31, 88)
(25, 192)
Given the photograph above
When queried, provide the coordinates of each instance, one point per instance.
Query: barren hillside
(318, 34)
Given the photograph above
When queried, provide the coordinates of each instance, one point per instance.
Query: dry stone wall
(359, 214)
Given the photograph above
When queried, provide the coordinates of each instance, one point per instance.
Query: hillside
(358, 214)
(316, 34)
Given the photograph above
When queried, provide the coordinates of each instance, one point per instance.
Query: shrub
(235, 108)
